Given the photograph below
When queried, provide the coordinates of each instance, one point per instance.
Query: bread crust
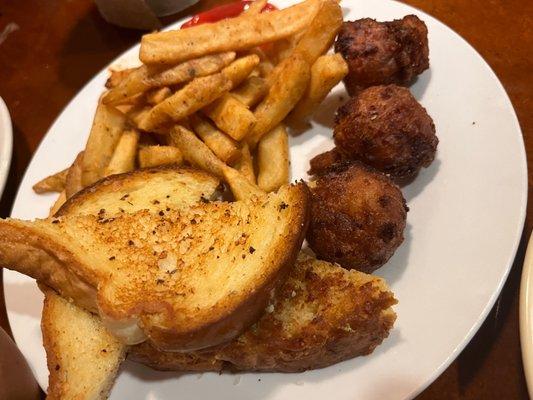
(124, 180)
(25, 248)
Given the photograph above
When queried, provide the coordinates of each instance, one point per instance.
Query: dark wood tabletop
(58, 45)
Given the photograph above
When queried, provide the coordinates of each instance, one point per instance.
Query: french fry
(133, 84)
(117, 76)
(52, 183)
(107, 127)
(61, 199)
(198, 154)
(73, 183)
(320, 34)
(191, 69)
(156, 96)
(154, 156)
(186, 101)
(246, 164)
(265, 65)
(136, 102)
(137, 114)
(326, 72)
(239, 69)
(265, 69)
(292, 77)
(256, 7)
(273, 159)
(146, 77)
(231, 116)
(251, 91)
(289, 79)
(221, 144)
(123, 159)
(234, 34)
(240, 186)
(284, 48)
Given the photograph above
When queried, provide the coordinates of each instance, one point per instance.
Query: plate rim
(525, 320)
(6, 145)
(523, 199)
(520, 232)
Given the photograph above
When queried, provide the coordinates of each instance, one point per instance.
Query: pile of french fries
(217, 96)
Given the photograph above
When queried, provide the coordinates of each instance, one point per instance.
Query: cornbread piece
(322, 315)
(184, 278)
(380, 53)
(357, 217)
(82, 357)
(386, 128)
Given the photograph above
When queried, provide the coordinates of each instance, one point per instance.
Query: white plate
(526, 316)
(466, 219)
(6, 144)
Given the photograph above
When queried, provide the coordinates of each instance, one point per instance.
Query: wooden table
(61, 44)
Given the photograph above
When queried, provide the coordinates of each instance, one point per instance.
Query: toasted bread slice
(323, 314)
(83, 358)
(187, 278)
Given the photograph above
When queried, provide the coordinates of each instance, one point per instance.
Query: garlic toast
(323, 314)
(185, 278)
(82, 357)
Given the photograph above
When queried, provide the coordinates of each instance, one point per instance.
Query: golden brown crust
(129, 179)
(323, 314)
(357, 217)
(322, 162)
(195, 361)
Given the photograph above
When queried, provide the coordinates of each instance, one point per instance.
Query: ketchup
(230, 10)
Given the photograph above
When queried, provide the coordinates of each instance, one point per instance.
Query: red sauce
(230, 10)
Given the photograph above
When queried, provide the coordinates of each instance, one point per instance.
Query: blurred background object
(16, 379)
(140, 14)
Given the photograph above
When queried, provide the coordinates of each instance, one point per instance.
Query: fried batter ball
(323, 162)
(386, 128)
(357, 217)
(379, 53)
